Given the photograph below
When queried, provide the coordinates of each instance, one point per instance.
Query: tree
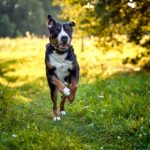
(108, 17)
(7, 27)
(19, 16)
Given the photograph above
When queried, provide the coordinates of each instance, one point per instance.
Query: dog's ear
(51, 21)
(72, 24)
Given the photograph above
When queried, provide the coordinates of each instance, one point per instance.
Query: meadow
(111, 110)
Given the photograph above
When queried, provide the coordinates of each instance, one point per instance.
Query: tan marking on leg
(58, 84)
(73, 88)
(54, 99)
(62, 108)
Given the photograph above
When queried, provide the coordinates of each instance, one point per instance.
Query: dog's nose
(64, 39)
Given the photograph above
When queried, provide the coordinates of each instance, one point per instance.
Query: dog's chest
(62, 65)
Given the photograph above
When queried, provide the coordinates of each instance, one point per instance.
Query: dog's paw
(56, 118)
(66, 91)
(63, 113)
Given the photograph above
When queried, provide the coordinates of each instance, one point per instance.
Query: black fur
(74, 73)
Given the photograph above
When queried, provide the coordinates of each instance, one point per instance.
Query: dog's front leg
(54, 93)
(62, 105)
(61, 87)
(73, 88)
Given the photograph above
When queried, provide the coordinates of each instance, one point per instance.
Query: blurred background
(108, 24)
(93, 17)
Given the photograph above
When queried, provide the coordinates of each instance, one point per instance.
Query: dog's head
(60, 33)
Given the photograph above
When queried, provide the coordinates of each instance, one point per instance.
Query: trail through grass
(110, 112)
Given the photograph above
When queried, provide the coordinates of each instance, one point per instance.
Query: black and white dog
(62, 68)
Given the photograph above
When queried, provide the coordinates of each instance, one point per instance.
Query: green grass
(120, 120)
(108, 113)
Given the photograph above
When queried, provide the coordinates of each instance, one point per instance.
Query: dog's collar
(59, 51)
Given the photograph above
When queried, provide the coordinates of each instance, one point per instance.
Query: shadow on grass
(5, 66)
(8, 66)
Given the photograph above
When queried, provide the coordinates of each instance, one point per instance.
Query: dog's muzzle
(64, 44)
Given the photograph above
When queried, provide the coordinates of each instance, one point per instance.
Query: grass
(111, 110)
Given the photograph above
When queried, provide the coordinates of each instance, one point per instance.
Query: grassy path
(108, 113)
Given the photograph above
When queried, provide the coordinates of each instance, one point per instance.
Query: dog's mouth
(64, 45)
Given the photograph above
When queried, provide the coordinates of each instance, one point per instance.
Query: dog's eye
(58, 29)
(67, 28)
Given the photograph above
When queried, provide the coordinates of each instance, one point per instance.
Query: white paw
(66, 83)
(56, 118)
(66, 91)
(63, 113)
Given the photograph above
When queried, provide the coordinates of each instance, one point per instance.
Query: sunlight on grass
(22, 98)
(24, 58)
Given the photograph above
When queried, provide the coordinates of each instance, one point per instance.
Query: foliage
(108, 113)
(107, 17)
(19, 16)
(7, 25)
(141, 57)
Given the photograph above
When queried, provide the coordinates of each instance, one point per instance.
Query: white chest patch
(61, 65)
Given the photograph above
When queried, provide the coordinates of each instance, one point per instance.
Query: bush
(145, 63)
(7, 25)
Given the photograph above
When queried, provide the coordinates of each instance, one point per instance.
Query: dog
(62, 68)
